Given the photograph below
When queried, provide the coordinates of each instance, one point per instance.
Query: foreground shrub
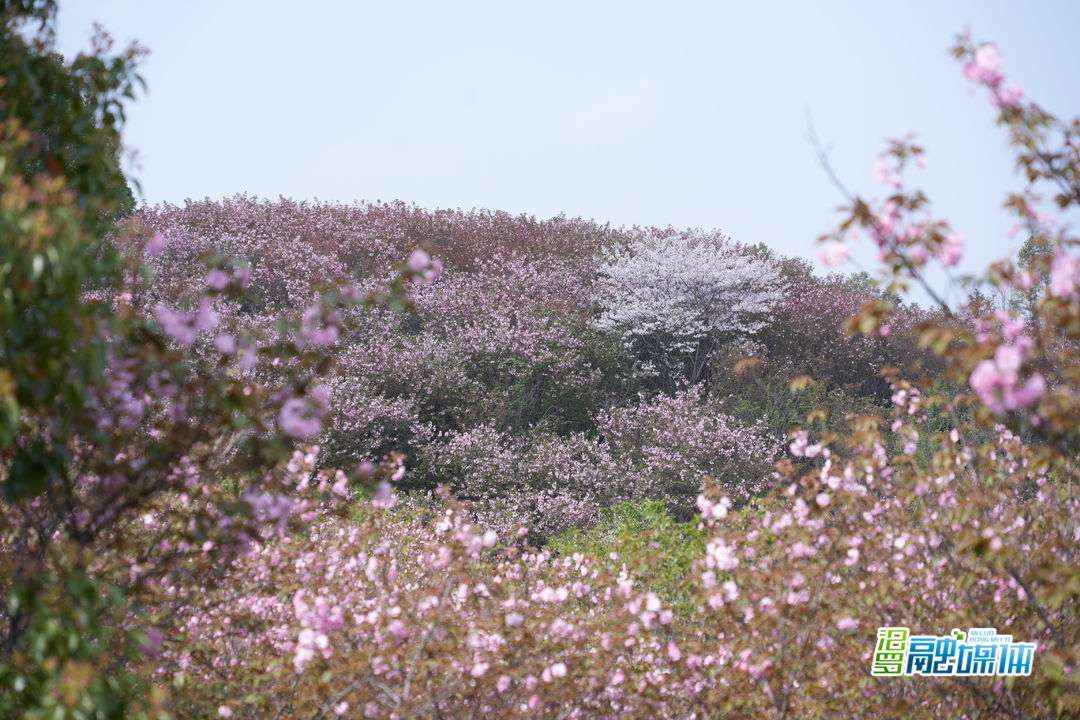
(658, 550)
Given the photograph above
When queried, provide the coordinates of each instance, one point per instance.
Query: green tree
(60, 189)
(867, 285)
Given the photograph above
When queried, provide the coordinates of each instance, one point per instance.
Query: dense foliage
(277, 459)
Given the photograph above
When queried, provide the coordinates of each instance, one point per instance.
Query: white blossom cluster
(678, 290)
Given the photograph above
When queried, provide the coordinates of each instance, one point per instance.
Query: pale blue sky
(683, 113)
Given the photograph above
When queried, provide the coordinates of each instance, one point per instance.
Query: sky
(684, 114)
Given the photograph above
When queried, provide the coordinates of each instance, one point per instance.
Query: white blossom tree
(674, 298)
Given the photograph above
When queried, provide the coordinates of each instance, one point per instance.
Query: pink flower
(503, 684)
(207, 319)
(176, 325)
(385, 497)
(341, 485)
(886, 224)
(731, 591)
(799, 442)
(315, 329)
(247, 354)
(822, 499)
(225, 344)
(1008, 97)
(952, 250)
(294, 420)
(224, 711)
(479, 669)
(834, 253)
(341, 708)
(156, 245)
(302, 417)
(618, 677)
(154, 639)
(847, 623)
(880, 171)
(711, 511)
(1011, 327)
(433, 272)
(184, 327)
(995, 381)
(987, 58)
(1063, 273)
(427, 267)
(217, 279)
(419, 260)
(397, 629)
(985, 67)
(305, 649)
(1032, 390)
(558, 670)
(673, 652)
(797, 597)
(442, 559)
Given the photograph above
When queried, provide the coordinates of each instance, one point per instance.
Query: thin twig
(1058, 637)
(823, 159)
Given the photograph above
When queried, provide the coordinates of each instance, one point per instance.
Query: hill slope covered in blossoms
(515, 379)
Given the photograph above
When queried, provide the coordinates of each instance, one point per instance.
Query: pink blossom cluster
(985, 69)
(1064, 274)
(184, 327)
(997, 380)
(302, 417)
